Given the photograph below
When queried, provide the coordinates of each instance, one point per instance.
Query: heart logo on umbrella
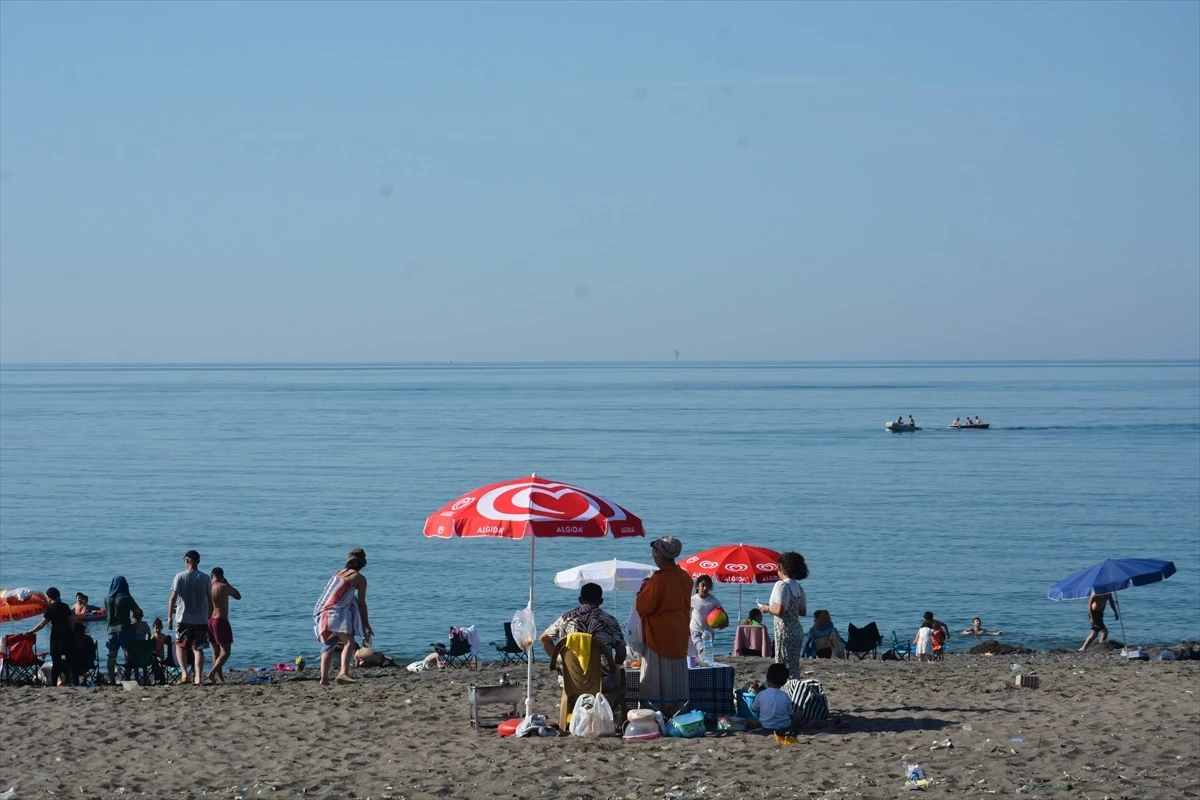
(523, 501)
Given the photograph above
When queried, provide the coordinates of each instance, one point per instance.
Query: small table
(753, 637)
(710, 689)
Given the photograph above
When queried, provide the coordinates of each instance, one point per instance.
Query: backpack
(808, 699)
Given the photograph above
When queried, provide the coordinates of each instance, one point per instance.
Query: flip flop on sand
(344, 679)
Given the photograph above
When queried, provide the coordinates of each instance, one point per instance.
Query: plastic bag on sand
(417, 666)
(535, 725)
(592, 716)
(523, 628)
(633, 630)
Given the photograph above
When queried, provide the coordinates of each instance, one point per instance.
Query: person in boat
(911, 424)
(900, 420)
(955, 423)
(978, 421)
(977, 629)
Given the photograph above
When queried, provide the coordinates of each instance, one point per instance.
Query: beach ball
(299, 662)
(717, 618)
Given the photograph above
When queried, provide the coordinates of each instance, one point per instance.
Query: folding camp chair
(864, 641)
(85, 662)
(458, 654)
(20, 663)
(902, 651)
(139, 662)
(166, 670)
(511, 652)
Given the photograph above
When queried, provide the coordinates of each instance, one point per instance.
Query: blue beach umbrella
(1112, 575)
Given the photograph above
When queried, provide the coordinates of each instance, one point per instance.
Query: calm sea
(274, 471)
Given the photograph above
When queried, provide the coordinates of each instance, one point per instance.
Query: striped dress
(337, 611)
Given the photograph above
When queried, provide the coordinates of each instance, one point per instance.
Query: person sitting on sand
(773, 706)
(754, 618)
(977, 629)
(1096, 606)
(367, 656)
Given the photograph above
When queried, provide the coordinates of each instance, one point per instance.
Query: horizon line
(559, 362)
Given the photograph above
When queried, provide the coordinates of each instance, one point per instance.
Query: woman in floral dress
(788, 604)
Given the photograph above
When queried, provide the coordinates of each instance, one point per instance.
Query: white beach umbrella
(611, 576)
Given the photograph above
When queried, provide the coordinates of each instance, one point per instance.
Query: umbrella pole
(529, 652)
(740, 617)
(1124, 638)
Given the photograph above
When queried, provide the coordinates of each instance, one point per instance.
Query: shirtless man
(977, 629)
(219, 632)
(1096, 606)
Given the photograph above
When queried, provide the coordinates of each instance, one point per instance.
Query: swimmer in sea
(977, 629)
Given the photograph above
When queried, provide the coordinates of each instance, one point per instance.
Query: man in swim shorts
(192, 599)
(1096, 606)
(219, 631)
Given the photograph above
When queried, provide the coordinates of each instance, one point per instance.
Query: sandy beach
(1104, 727)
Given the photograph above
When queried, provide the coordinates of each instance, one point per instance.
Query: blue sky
(569, 181)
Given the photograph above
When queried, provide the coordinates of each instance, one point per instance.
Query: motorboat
(901, 427)
(980, 427)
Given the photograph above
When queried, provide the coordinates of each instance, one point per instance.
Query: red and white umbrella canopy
(537, 508)
(532, 507)
(734, 563)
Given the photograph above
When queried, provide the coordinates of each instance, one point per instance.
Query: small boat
(982, 427)
(900, 427)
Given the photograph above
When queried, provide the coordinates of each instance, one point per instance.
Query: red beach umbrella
(17, 604)
(537, 508)
(734, 563)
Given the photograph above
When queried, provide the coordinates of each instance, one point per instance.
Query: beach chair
(864, 641)
(511, 652)
(166, 670)
(19, 663)
(600, 675)
(458, 655)
(939, 644)
(85, 663)
(901, 651)
(139, 662)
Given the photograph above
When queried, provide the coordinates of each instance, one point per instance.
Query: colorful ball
(717, 618)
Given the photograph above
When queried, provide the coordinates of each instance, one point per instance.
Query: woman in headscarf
(118, 608)
(788, 605)
(664, 605)
(341, 615)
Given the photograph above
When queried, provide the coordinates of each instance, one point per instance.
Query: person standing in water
(219, 632)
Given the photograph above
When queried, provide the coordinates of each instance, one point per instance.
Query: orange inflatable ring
(509, 727)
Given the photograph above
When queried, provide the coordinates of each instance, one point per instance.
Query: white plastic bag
(592, 716)
(524, 630)
(633, 631)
